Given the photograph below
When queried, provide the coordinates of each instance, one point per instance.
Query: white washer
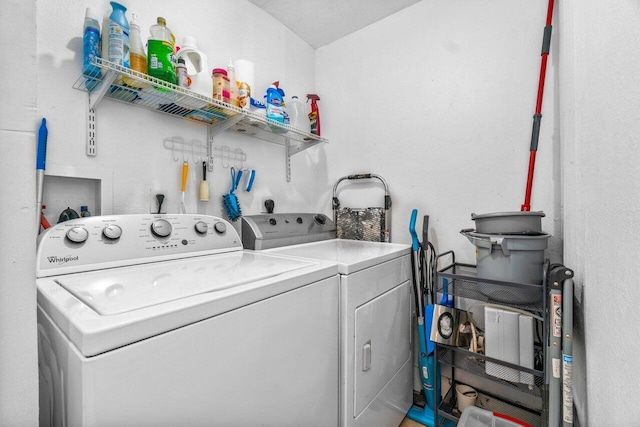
(376, 309)
(166, 321)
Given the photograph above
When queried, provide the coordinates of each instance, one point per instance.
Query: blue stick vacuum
(428, 368)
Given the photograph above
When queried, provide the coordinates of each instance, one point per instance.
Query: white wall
(18, 122)
(439, 99)
(600, 99)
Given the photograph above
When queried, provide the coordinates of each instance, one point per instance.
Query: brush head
(232, 206)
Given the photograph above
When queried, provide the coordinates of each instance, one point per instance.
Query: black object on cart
(371, 224)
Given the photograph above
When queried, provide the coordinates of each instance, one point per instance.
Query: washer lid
(350, 255)
(121, 290)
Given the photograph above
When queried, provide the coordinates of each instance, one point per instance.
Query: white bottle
(298, 116)
(197, 68)
(233, 84)
(137, 55)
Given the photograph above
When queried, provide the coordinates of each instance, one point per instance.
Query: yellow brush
(185, 172)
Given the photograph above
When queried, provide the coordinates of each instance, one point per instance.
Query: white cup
(466, 396)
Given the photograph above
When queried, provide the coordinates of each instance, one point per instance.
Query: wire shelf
(132, 87)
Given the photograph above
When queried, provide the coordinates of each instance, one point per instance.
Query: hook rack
(196, 151)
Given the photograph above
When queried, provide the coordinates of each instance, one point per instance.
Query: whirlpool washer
(165, 320)
(376, 358)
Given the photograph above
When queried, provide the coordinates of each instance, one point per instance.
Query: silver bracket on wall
(288, 159)
(94, 98)
(92, 149)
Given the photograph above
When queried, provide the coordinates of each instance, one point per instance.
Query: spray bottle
(275, 110)
(314, 115)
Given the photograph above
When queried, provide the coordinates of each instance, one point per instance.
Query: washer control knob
(299, 220)
(272, 221)
(320, 219)
(161, 228)
(220, 227)
(77, 234)
(201, 227)
(112, 232)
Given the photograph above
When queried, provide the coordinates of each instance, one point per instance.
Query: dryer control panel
(97, 242)
(276, 230)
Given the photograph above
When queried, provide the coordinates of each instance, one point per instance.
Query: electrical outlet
(263, 203)
(158, 201)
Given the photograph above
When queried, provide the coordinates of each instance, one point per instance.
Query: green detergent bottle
(161, 52)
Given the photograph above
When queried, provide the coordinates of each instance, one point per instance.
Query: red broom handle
(526, 206)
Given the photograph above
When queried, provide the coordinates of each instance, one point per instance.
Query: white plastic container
(233, 84)
(472, 416)
(137, 55)
(197, 69)
(298, 117)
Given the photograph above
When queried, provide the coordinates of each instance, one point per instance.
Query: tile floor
(410, 423)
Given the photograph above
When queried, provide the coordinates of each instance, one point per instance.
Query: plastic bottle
(84, 211)
(197, 68)
(181, 72)
(220, 84)
(275, 111)
(137, 56)
(118, 35)
(233, 84)
(160, 49)
(91, 44)
(298, 116)
(104, 38)
(314, 115)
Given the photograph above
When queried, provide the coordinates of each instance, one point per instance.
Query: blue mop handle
(42, 145)
(412, 229)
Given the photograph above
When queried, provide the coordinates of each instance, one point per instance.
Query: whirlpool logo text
(61, 260)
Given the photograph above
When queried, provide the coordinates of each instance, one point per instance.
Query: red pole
(546, 42)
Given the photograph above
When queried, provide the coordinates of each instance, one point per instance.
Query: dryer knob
(77, 234)
(220, 227)
(272, 221)
(161, 228)
(320, 219)
(112, 232)
(201, 227)
(299, 220)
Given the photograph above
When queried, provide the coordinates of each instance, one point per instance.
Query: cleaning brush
(204, 185)
(230, 200)
(185, 173)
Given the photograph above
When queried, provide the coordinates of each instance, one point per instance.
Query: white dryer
(376, 309)
(164, 320)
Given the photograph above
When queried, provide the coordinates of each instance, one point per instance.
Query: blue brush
(230, 200)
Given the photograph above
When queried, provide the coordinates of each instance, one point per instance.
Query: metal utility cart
(370, 224)
(503, 387)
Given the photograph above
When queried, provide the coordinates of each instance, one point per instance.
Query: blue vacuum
(429, 372)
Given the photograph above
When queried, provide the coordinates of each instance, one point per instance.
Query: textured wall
(18, 122)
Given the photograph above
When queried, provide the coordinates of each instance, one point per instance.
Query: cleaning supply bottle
(314, 115)
(297, 115)
(285, 111)
(233, 84)
(160, 49)
(118, 35)
(84, 211)
(198, 71)
(220, 84)
(275, 111)
(181, 74)
(91, 44)
(104, 38)
(137, 56)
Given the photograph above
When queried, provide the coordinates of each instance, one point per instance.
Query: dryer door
(382, 343)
